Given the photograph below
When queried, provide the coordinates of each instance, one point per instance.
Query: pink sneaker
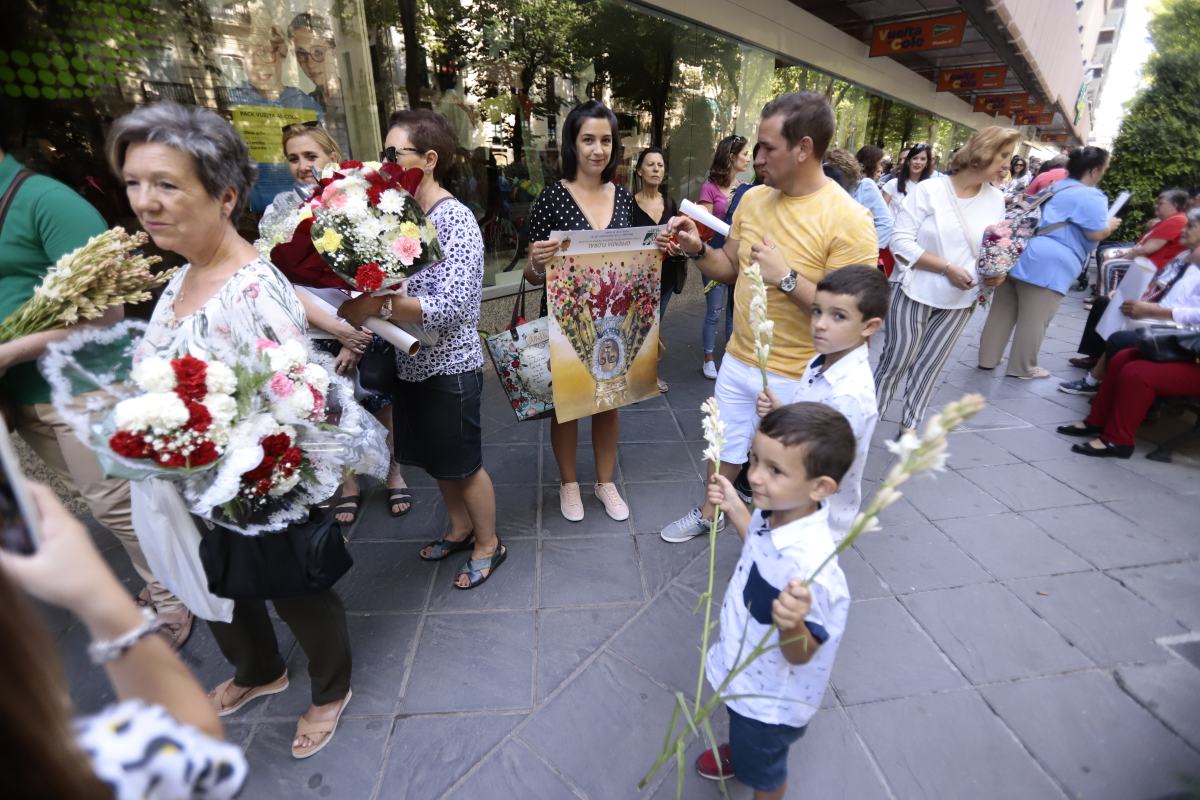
(569, 502)
(613, 504)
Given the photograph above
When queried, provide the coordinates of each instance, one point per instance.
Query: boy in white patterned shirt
(798, 455)
(848, 308)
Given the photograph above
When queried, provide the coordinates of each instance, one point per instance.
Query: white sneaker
(569, 502)
(710, 370)
(614, 506)
(688, 527)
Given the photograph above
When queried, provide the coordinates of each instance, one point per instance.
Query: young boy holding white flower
(799, 454)
(848, 308)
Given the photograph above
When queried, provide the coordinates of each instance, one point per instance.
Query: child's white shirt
(849, 387)
(782, 693)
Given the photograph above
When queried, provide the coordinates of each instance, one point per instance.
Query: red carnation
(374, 193)
(263, 470)
(262, 486)
(172, 458)
(199, 418)
(205, 453)
(369, 277)
(276, 444)
(128, 445)
(351, 164)
(190, 376)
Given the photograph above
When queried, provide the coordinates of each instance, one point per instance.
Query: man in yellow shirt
(796, 227)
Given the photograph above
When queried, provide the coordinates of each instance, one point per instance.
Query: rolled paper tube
(400, 339)
(705, 218)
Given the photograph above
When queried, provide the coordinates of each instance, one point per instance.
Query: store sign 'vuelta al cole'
(917, 35)
(971, 78)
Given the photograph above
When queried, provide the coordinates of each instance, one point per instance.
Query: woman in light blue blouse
(1029, 299)
(868, 194)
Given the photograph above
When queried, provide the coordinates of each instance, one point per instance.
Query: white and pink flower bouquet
(253, 439)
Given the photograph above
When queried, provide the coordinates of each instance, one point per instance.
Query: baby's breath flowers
(107, 271)
(764, 328)
(926, 453)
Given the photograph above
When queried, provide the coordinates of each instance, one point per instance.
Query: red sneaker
(706, 764)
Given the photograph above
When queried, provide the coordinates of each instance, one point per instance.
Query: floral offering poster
(603, 292)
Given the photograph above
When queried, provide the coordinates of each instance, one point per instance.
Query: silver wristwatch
(788, 284)
(108, 649)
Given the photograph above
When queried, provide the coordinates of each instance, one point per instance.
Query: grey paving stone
(661, 562)
(610, 709)
(862, 579)
(1170, 692)
(695, 576)
(990, 635)
(567, 636)
(1084, 730)
(1010, 546)
(1037, 410)
(665, 461)
(379, 645)
(425, 520)
(952, 746)
(993, 418)
(469, 662)
(347, 767)
(914, 663)
(913, 558)
(1031, 444)
(1167, 516)
(511, 586)
(517, 511)
(1178, 476)
(1023, 487)
(511, 464)
(428, 754)
(664, 640)
(508, 431)
(1099, 616)
(513, 771)
(595, 520)
(585, 464)
(1100, 479)
(1173, 588)
(972, 450)
(1105, 538)
(654, 505)
(652, 425)
(879, 461)
(948, 494)
(590, 571)
(386, 576)
(689, 422)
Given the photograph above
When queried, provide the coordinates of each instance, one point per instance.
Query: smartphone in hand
(18, 522)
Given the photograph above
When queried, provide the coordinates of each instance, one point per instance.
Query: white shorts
(737, 389)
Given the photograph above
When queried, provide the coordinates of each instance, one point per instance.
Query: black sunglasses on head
(308, 123)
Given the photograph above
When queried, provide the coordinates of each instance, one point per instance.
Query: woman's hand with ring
(353, 339)
(959, 277)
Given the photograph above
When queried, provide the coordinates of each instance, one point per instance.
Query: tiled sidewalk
(1006, 639)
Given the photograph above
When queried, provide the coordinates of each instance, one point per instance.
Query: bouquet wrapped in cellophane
(252, 444)
(107, 271)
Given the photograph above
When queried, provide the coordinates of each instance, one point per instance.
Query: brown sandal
(313, 729)
(217, 695)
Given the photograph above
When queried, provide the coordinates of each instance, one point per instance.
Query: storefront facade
(504, 72)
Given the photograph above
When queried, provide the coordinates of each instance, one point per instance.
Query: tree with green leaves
(1158, 145)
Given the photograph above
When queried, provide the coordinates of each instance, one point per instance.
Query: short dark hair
(827, 437)
(835, 174)
(869, 157)
(804, 114)
(866, 284)
(1176, 197)
(592, 109)
(429, 130)
(1083, 160)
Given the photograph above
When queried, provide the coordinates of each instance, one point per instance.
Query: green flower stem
(707, 599)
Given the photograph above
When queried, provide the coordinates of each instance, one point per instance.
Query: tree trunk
(415, 77)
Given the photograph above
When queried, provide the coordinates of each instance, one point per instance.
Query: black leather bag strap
(7, 200)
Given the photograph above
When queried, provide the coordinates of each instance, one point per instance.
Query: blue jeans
(716, 298)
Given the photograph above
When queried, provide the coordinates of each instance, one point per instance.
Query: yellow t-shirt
(817, 233)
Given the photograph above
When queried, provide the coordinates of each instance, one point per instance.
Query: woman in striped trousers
(936, 239)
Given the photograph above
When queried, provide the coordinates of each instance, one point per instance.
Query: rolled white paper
(704, 217)
(1118, 204)
(401, 339)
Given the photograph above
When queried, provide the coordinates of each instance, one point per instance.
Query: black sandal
(441, 548)
(1075, 430)
(395, 498)
(1109, 450)
(347, 505)
(474, 567)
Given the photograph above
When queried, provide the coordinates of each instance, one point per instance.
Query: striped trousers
(917, 342)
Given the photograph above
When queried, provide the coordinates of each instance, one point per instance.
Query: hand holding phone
(18, 524)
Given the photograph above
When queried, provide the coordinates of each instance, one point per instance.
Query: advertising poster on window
(603, 294)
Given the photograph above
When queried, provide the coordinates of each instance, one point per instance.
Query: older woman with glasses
(187, 175)
(437, 420)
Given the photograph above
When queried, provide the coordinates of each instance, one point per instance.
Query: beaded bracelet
(107, 650)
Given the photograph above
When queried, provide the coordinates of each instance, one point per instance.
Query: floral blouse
(143, 753)
(450, 293)
(257, 302)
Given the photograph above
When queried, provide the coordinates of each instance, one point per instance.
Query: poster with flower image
(603, 295)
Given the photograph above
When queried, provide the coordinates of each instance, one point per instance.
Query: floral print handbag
(521, 356)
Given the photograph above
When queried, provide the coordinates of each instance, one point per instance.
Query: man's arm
(717, 265)
(774, 269)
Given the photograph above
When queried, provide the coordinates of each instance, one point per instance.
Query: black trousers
(319, 622)
(1092, 345)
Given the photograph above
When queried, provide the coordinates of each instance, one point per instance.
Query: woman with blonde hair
(309, 149)
(936, 241)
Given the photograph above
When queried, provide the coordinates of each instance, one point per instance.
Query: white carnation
(317, 376)
(222, 408)
(285, 485)
(160, 412)
(154, 374)
(300, 403)
(288, 355)
(391, 202)
(372, 227)
(219, 379)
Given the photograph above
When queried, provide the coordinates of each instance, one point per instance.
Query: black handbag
(1167, 343)
(305, 558)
